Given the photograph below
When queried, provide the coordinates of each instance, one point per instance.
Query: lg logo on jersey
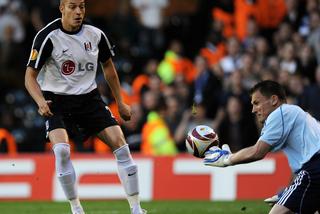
(86, 67)
(68, 67)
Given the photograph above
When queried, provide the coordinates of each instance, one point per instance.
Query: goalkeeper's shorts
(303, 195)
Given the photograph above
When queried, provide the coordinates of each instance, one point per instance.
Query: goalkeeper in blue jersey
(287, 128)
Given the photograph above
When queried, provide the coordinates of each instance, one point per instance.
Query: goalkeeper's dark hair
(268, 88)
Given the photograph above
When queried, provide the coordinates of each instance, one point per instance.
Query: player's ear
(274, 100)
(61, 6)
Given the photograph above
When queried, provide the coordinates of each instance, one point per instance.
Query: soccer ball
(200, 139)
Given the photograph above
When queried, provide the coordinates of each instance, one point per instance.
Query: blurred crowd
(181, 63)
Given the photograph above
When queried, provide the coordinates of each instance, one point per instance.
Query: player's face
(72, 14)
(262, 106)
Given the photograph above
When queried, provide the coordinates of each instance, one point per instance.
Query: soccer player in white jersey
(287, 128)
(60, 77)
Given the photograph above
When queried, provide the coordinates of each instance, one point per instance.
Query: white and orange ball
(200, 139)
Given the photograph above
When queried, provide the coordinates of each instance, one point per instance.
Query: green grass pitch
(154, 207)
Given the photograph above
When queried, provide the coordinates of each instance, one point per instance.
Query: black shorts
(81, 115)
(303, 196)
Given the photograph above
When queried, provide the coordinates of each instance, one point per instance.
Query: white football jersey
(68, 61)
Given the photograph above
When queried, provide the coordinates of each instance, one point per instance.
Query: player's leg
(64, 168)
(279, 209)
(127, 168)
(301, 196)
(99, 118)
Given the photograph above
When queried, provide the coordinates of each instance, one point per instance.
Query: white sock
(76, 206)
(134, 201)
(128, 174)
(75, 202)
(64, 169)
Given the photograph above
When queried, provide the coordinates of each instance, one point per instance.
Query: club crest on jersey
(87, 46)
(68, 67)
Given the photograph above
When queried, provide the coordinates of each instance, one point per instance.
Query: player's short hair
(62, 1)
(268, 88)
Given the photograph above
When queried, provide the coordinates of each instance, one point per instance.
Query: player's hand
(218, 157)
(124, 111)
(44, 108)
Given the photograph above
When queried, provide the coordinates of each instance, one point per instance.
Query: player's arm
(110, 74)
(40, 52)
(250, 154)
(272, 138)
(112, 79)
(34, 90)
(273, 132)
(223, 157)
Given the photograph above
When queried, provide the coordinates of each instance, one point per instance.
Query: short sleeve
(106, 48)
(41, 50)
(273, 131)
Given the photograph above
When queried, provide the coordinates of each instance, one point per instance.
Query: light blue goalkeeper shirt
(294, 131)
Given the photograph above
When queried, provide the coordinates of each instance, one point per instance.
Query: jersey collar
(69, 32)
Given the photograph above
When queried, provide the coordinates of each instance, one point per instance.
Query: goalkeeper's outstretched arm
(250, 154)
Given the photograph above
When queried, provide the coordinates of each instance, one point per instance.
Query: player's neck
(68, 27)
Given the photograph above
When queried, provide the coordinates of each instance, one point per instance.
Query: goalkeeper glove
(218, 157)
